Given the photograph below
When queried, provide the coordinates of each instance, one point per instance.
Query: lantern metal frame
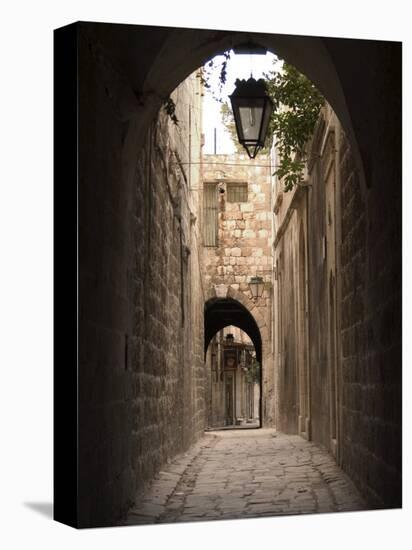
(251, 93)
(257, 286)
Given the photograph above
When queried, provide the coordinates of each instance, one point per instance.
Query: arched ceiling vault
(354, 75)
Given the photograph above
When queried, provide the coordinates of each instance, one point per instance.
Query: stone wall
(216, 387)
(310, 321)
(141, 368)
(288, 312)
(371, 335)
(338, 312)
(324, 277)
(243, 248)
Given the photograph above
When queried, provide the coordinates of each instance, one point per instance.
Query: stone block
(236, 216)
(246, 207)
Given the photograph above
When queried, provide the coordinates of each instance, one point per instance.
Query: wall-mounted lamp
(256, 285)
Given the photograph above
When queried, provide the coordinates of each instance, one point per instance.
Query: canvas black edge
(65, 267)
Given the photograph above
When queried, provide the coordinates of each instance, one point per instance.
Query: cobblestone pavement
(245, 474)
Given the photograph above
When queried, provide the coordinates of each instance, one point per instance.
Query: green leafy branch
(210, 69)
(204, 75)
(297, 104)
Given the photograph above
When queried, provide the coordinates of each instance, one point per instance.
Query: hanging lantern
(252, 109)
(256, 285)
(229, 338)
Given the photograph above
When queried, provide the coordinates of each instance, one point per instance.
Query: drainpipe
(190, 147)
(275, 302)
(307, 325)
(272, 312)
(272, 290)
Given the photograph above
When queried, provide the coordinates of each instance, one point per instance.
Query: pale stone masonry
(143, 383)
(335, 348)
(244, 228)
(244, 247)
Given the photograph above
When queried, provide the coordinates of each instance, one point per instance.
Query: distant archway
(222, 312)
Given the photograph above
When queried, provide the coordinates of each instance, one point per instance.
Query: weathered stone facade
(334, 380)
(141, 369)
(243, 248)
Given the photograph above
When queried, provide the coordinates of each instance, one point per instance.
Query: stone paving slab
(246, 473)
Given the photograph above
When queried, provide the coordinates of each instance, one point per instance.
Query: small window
(210, 214)
(236, 192)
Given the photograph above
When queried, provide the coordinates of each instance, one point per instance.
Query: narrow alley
(245, 474)
(218, 291)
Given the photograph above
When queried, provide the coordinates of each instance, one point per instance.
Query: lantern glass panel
(253, 288)
(251, 119)
(252, 110)
(266, 119)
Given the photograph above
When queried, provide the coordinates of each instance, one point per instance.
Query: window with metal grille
(236, 192)
(210, 214)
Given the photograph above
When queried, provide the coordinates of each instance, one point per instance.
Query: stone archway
(171, 54)
(227, 291)
(257, 328)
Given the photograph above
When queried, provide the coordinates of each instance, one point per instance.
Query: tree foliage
(210, 69)
(297, 103)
